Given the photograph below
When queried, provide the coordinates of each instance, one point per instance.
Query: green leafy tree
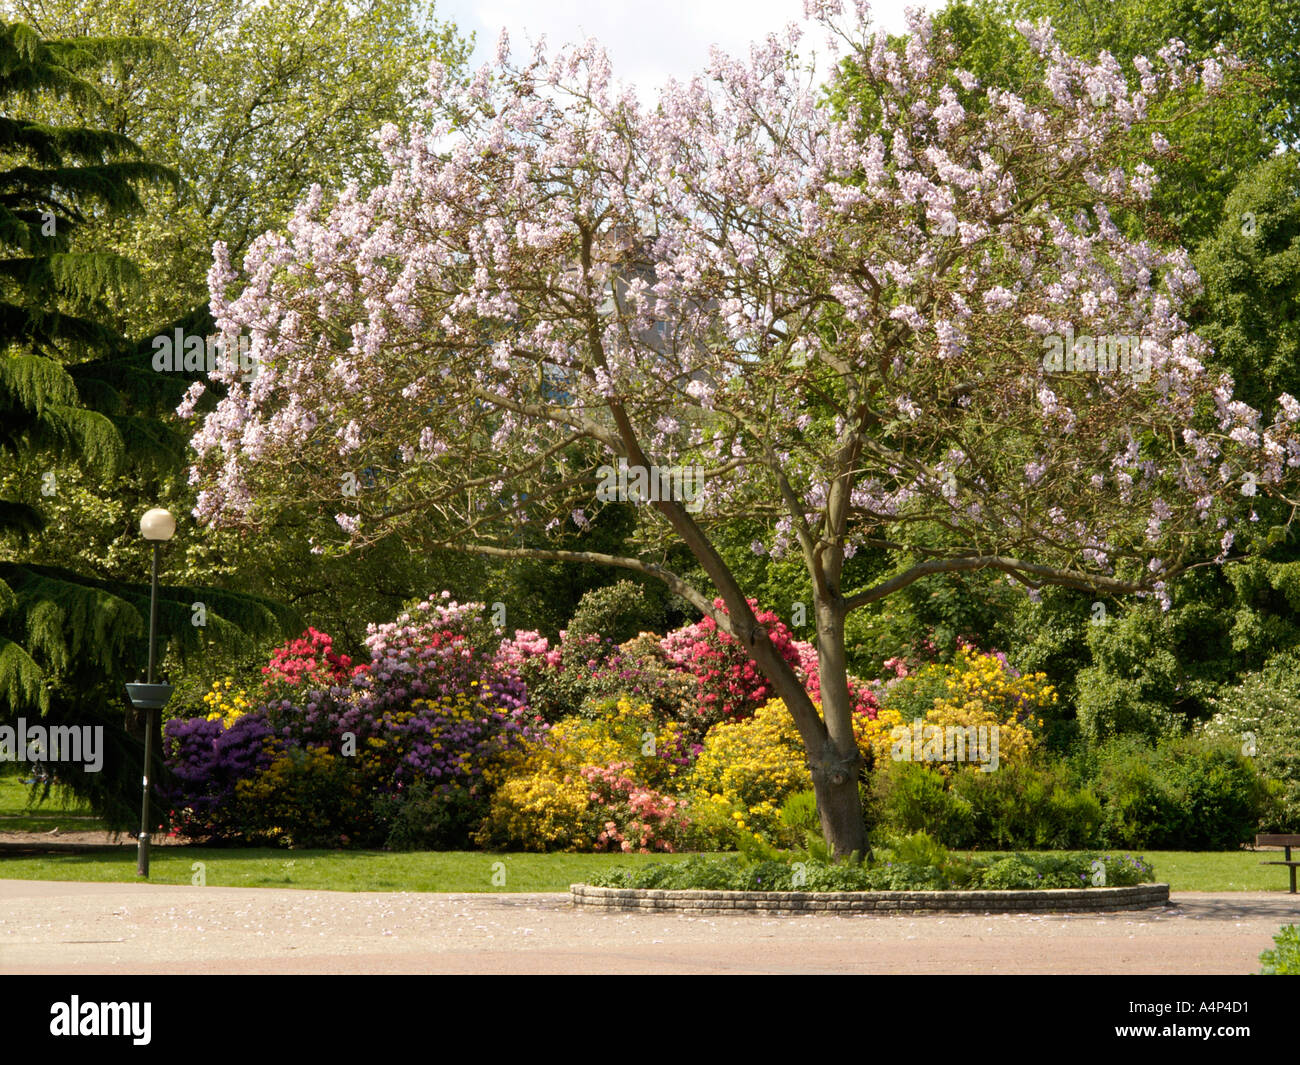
(251, 104)
(1250, 267)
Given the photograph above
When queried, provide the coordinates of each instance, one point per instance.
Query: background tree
(251, 104)
(73, 395)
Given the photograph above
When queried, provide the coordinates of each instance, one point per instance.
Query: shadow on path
(1281, 905)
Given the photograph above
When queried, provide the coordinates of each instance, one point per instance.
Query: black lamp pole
(158, 526)
(142, 854)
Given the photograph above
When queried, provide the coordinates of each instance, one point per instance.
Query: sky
(647, 41)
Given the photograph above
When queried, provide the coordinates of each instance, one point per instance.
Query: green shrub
(708, 874)
(913, 863)
(919, 849)
(1080, 870)
(909, 797)
(1033, 806)
(422, 819)
(770, 875)
(914, 696)
(798, 817)
(906, 876)
(1126, 870)
(1010, 873)
(1262, 716)
(1284, 959)
(1111, 705)
(1143, 678)
(616, 612)
(1185, 794)
(1069, 818)
(1058, 870)
(698, 872)
(1138, 810)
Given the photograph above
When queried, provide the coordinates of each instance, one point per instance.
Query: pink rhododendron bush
(920, 316)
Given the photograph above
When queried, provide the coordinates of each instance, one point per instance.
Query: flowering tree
(846, 320)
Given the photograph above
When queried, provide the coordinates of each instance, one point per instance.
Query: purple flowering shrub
(431, 707)
(207, 760)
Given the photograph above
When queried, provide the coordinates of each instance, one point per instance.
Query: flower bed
(912, 864)
(1057, 900)
(445, 733)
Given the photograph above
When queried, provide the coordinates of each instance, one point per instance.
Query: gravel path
(65, 927)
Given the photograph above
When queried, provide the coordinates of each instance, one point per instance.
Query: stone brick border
(1058, 900)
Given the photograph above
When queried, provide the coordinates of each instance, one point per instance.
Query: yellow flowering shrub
(542, 808)
(658, 754)
(873, 736)
(226, 705)
(979, 689)
(546, 798)
(311, 790)
(986, 681)
(746, 770)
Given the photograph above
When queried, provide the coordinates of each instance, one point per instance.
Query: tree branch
(1025, 572)
(676, 583)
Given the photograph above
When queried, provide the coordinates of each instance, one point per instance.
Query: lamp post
(157, 526)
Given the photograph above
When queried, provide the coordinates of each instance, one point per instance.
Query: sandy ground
(77, 928)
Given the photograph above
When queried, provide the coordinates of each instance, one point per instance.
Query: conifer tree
(74, 393)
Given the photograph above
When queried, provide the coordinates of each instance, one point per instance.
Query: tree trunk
(839, 805)
(836, 767)
(833, 756)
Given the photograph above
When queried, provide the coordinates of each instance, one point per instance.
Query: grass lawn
(1219, 870)
(15, 816)
(473, 870)
(329, 870)
(447, 870)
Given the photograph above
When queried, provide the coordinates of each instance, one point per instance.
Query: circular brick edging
(1098, 899)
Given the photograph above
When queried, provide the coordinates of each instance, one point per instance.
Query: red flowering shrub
(730, 685)
(311, 658)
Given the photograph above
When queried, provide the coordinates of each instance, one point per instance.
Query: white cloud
(647, 42)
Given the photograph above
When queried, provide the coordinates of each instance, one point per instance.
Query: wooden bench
(1286, 841)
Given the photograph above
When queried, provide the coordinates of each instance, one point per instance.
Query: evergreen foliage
(74, 392)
